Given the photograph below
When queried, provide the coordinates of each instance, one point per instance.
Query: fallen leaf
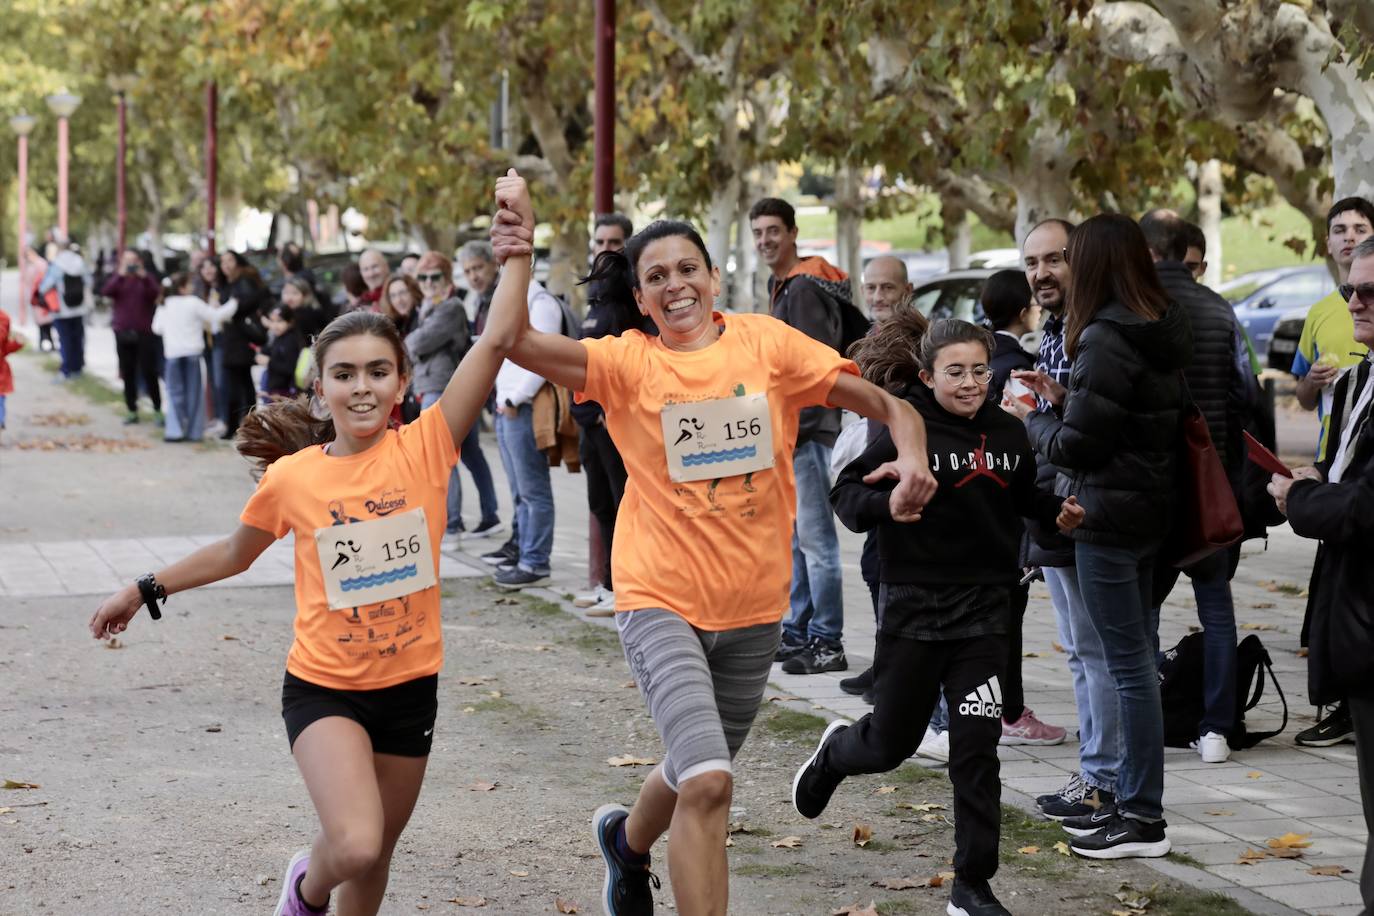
(59, 418)
(227, 638)
(474, 680)
(1328, 871)
(739, 827)
(519, 873)
(11, 784)
(507, 601)
(1058, 648)
(787, 842)
(6, 810)
(922, 806)
(1254, 774)
(1286, 853)
(495, 694)
(482, 786)
(1028, 850)
(1127, 913)
(933, 818)
(1289, 841)
(1062, 848)
(1259, 626)
(468, 901)
(469, 709)
(856, 909)
(564, 906)
(729, 841)
(630, 761)
(783, 698)
(1262, 605)
(422, 906)
(898, 884)
(861, 835)
(1136, 901)
(1302, 653)
(113, 643)
(629, 684)
(214, 729)
(886, 790)
(940, 879)
(85, 443)
(1251, 856)
(1220, 813)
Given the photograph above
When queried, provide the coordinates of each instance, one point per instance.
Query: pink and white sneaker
(1030, 730)
(290, 902)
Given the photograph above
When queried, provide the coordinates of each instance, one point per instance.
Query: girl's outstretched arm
(210, 563)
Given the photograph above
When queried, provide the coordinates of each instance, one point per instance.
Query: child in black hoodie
(946, 582)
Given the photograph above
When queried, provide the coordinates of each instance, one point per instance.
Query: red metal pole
(211, 162)
(121, 211)
(604, 152)
(23, 228)
(62, 179)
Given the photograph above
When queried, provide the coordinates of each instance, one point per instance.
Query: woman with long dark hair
(1114, 437)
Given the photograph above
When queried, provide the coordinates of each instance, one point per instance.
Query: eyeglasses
(429, 278)
(956, 374)
(1365, 292)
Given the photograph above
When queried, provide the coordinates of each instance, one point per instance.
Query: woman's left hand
(1071, 515)
(915, 486)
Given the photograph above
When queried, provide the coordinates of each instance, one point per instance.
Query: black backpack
(1181, 691)
(854, 324)
(73, 290)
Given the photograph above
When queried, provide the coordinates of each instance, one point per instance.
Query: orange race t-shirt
(377, 645)
(717, 552)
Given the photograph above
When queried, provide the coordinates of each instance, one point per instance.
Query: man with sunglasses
(1334, 503)
(1327, 348)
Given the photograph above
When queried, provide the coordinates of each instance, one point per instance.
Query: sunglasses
(429, 278)
(1365, 292)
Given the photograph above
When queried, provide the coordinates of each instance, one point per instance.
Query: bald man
(885, 286)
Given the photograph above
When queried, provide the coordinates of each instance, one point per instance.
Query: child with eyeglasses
(944, 598)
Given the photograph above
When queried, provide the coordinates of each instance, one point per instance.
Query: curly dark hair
(889, 355)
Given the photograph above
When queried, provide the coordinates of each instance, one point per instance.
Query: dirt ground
(165, 782)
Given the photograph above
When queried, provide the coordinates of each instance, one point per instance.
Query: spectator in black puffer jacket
(1115, 448)
(1213, 382)
(241, 334)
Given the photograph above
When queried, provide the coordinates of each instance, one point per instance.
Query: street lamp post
(121, 85)
(604, 132)
(63, 104)
(211, 162)
(21, 124)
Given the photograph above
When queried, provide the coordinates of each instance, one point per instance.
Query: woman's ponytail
(889, 355)
(611, 281)
(281, 428)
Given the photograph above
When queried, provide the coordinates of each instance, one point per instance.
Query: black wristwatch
(151, 591)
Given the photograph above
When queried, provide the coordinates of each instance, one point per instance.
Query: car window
(1298, 290)
(924, 299)
(960, 300)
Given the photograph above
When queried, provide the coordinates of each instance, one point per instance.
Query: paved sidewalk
(1215, 812)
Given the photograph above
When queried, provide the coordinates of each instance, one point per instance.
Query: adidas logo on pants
(985, 700)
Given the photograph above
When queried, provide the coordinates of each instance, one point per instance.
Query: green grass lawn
(1248, 243)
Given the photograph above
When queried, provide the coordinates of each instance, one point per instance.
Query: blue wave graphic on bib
(728, 454)
(395, 575)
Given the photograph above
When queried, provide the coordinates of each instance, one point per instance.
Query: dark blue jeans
(1217, 614)
(1117, 587)
(71, 344)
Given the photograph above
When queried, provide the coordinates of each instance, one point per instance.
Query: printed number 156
(741, 429)
(401, 548)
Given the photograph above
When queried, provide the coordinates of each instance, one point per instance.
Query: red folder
(1264, 458)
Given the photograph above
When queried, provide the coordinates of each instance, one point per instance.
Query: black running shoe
(1333, 729)
(813, 786)
(1084, 824)
(788, 649)
(1093, 800)
(859, 684)
(626, 890)
(816, 658)
(1124, 838)
(506, 554)
(1073, 791)
(973, 898)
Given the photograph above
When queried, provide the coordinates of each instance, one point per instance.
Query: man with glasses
(1326, 348)
(1094, 786)
(1334, 503)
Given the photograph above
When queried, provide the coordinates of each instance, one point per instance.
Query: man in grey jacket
(69, 275)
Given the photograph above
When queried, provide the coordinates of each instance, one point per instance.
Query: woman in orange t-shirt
(705, 416)
(367, 506)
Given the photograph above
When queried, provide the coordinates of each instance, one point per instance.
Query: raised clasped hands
(512, 228)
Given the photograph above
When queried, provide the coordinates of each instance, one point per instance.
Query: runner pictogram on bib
(722, 437)
(374, 561)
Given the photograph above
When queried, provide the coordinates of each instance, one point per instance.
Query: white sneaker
(593, 597)
(451, 540)
(215, 429)
(1213, 748)
(934, 746)
(605, 607)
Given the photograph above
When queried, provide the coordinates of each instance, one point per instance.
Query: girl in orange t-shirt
(705, 417)
(367, 506)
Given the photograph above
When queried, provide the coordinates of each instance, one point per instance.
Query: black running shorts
(399, 719)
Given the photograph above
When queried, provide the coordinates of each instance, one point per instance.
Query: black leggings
(908, 674)
(139, 353)
(605, 486)
(240, 396)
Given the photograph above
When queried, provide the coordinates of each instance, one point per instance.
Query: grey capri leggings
(703, 688)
